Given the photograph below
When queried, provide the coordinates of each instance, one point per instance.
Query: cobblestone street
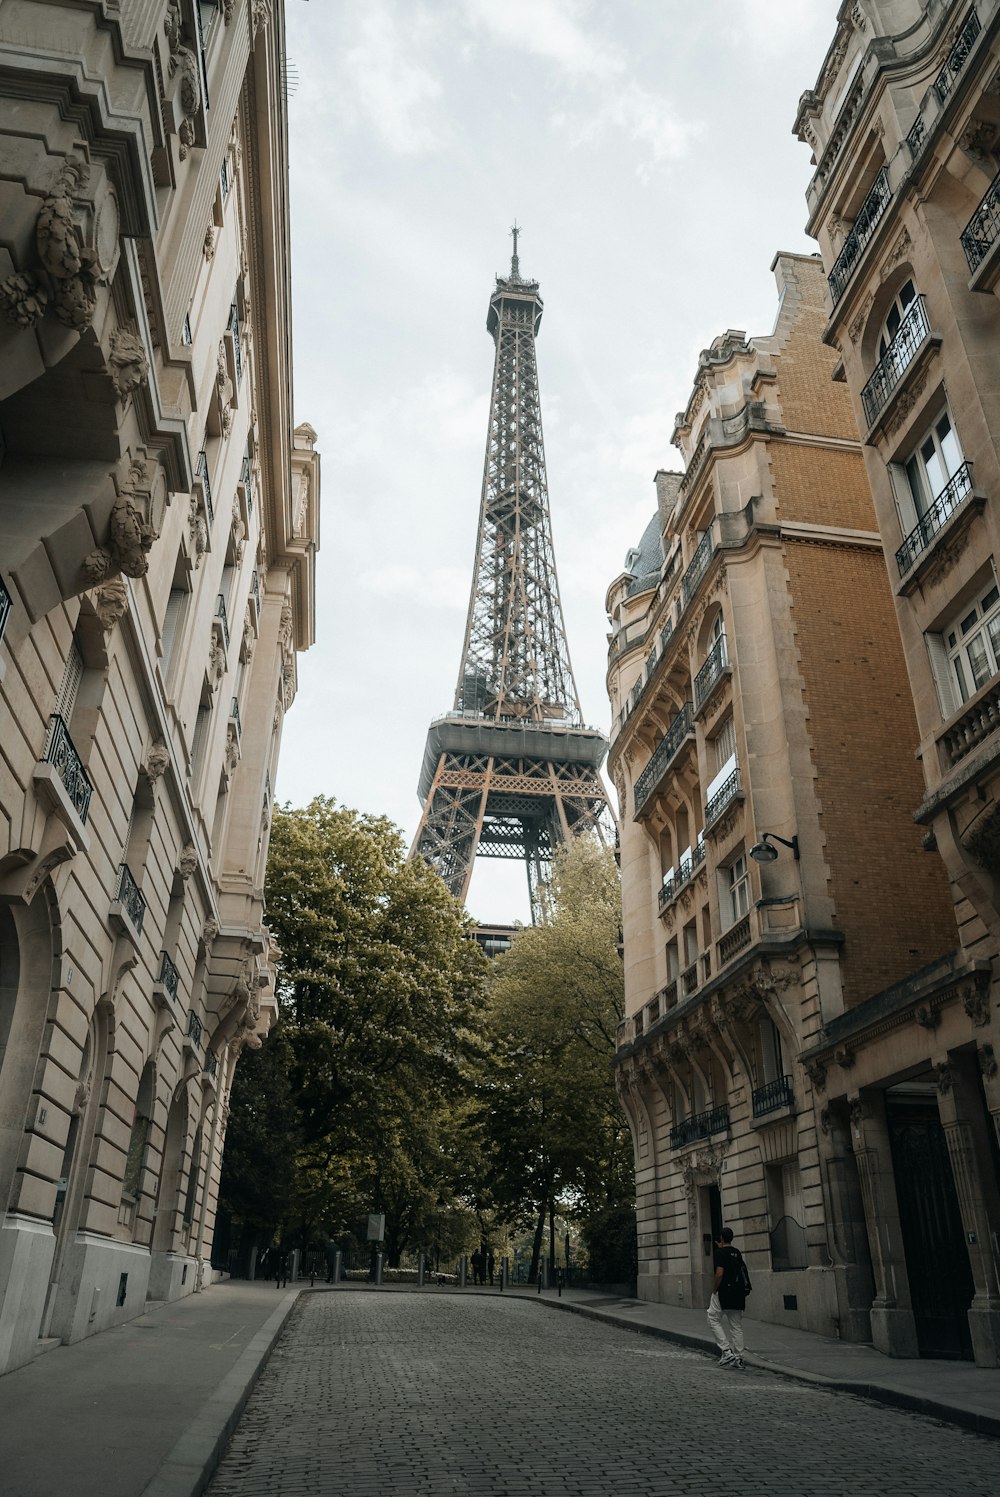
(412, 1393)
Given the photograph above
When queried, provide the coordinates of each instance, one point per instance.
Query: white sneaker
(727, 1359)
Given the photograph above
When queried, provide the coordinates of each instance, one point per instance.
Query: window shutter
(941, 671)
(72, 676)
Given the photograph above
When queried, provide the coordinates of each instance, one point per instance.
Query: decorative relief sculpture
(900, 251)
(216, 661)
(197, 530)
(188, 861)
(987, 1062)
(184, 61)
(131, 532)
(224, 390)
(943, 1076)
(157, 760)
(239, 531)
(260, 14)
(844, 1057)
(976, 998)
(110, 603)
(209, 931)
(905, 403)
(71, 264)
(926, 1016)
(22, 299)
(208, 248)
(816, 1071)
(232, 749)
(127, 361)
(856, 1111)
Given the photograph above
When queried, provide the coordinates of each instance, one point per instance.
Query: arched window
(901, 303)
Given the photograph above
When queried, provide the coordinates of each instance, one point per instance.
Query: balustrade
(955, 492)
(870, 212)
(130, 897)
(957, 57)
(772, 1095)
(60, 753)
(983, 229)
(169, 976)
(734, 940)
(911, 336)
(665, 751)
(711, 671)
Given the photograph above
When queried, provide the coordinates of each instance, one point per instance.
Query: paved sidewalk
(958, 1392)
(144, 1408)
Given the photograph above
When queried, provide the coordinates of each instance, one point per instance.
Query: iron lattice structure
(512, 771)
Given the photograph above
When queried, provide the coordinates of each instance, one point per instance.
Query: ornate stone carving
(260, 14)
(188, 861)
(208, 248)
(899, 251)
(825, 1119)
(982, 839)
(904, 404)
(844, 1057)
(816, 1071)
(131, 533)
(285, 626)
(977, 138)
(224, 389)
(856, 1111)
(216, 661)
(22, 299)
(127, 361)
(857, 327)
(943, 1076)
(926, 1016)
(858, 18)
(976, 998)
(81, 1097)
(232, 749)
(987, 1062)
(157, 760)
(197, 530)
(209, 930)
(248, 640)
(239, 531)
(110, 601)
(184, 61)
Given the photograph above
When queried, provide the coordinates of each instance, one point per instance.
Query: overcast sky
(645, 147)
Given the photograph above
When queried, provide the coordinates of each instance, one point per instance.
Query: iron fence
(955, 492)
(983, 228)
(870, 212)
(957, 57)
(910, 337)
(130, 897)
(772, 1095)
(61, 754)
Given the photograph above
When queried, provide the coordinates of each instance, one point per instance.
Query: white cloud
(386, 84)
(440, 587)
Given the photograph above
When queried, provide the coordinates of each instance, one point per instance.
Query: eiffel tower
(512, 771)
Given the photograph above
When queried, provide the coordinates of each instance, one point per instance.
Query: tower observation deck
(512, 771)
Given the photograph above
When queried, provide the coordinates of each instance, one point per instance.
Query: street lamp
(764, 852)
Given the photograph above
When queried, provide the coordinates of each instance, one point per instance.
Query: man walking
(729, 1297)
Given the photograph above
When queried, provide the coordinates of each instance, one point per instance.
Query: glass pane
(993, 628)
(918, 486)
(990, 598)
(969, 620)
(950, 449)
(906, 295)
(937, 475)
(979, 660)
(892, 321)
(963, 690)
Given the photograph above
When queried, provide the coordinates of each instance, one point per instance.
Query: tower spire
(511, 771)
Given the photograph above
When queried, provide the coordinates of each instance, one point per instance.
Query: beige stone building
(772, 877)
(904, 126)
(158, 524)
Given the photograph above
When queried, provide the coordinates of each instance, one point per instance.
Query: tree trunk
(536, 1246)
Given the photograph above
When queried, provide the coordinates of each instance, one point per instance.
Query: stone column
(894, 1330)
(846, 1239)
(965, 1130)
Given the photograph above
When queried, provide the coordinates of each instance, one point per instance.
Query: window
(784, 1205)
(972, 645)
(933, 464)
(771, 1060)
(737, 889)
(690, 944)
(890, 327)
(724, 744)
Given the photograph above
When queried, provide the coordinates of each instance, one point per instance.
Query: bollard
(420, 1271)
(338, 1263)
(378, 1268)
(463, 1267)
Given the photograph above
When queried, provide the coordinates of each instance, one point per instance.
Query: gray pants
(727, 1327)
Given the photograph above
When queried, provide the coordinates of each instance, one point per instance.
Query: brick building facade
(759, 692)
(158, 524)
(904, 127)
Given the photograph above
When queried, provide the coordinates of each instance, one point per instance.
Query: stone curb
(192, 1461)
(917, 1403)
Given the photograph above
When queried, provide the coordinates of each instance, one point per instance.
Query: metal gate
(937, 1264)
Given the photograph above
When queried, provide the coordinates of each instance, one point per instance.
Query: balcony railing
(60, 753)
(255, 588)
(983, 229)
(234, 713)
(220, 614)
(665, 634)
(911, 335)
(664, 752)
(955, 492)
(234, 328)
(735, 939)
(727, 791)
(130, 898)
(915, 136)
(698, 567)
(702, 1125)
(870, 212)
(772, 1095)
(711, 671)
(169, 976)
(194, 1029)
(957, 57)
(211, 1063)
(5, 607)
(976, 724)
(201, 473)
(689, 979)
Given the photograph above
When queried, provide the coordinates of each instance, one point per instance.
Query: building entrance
(937, 1264)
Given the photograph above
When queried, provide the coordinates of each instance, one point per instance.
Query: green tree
(554, 1131)
(378, 988)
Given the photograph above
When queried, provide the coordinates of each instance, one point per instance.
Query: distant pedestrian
(491, 1264)
(281, 1269)
(729, 1296)
(477, 1267)
(330, 1253)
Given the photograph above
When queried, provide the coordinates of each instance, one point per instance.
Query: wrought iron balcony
(267, 786)
(772, 1095)
(955, 492)
(711, 671)
(169, 976)
(957, 57)
(224, 177)
(201, 473)
(60, 753)
(5, 607)
(697, 567)
(911, 336)
(130, 897)
(727, 792)
(211, 1063)
(665, 751)
(246, 479)
(983, 229)
(870, 212)
(234, 714)
(915, 136)
(701, 1125)
(736, 939)
(220, 614)
(255, 588)
(665, 634)
(187, 336)
(234, 328)
(194, 1029)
